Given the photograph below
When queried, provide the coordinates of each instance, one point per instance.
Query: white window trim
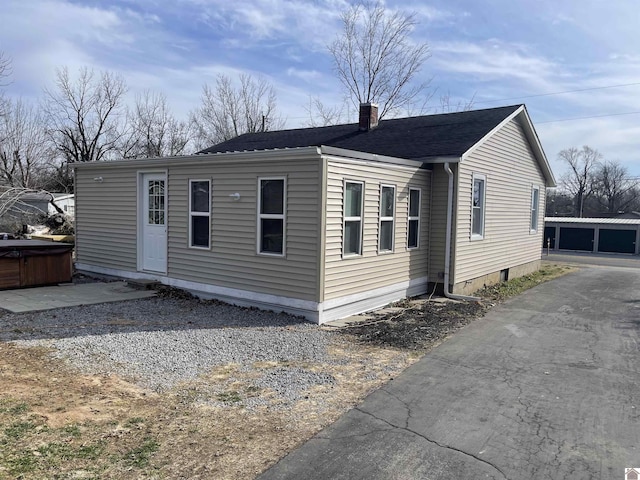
(199, 214)
(534, 189)
(346, 219)
(272, 216)
(391, 219)
(414, 218)
(474, 177)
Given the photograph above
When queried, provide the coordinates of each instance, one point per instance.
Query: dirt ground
(58, 423)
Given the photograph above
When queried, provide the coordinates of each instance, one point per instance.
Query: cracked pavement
(545, 386)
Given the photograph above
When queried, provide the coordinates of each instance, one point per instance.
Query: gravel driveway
(161, 342)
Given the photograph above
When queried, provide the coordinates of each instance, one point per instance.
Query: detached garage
(598, 235)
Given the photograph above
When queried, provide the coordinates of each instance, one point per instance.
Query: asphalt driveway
(546, 386)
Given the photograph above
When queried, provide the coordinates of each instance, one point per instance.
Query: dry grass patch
(505, 290)
(58, 423)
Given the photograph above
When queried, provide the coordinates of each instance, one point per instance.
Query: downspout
(447, 255)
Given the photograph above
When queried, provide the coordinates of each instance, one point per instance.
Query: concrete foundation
(468, 287)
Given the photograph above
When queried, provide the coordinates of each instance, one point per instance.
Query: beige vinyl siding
(511, 170)
(438, 231)
(106, 218)
(233, 261)
(356, 274)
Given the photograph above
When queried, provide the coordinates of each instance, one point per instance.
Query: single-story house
(330, 221)
(597, 235)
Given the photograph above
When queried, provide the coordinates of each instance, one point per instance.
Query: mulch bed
(416, 328)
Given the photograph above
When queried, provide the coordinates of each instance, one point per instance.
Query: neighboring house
(330, 221)
(597, 235)
(65, 202)
(29, 205)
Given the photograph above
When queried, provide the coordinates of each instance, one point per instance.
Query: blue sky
(498, 52)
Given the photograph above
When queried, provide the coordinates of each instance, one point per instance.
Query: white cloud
(305, 75)
(309, 23)
(493, 61)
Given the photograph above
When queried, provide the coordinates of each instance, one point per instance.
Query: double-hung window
(535, 202)
(352, 218)
(413, 228)
(477, 206)
(271, 215)
(387, 218)
(199, 213)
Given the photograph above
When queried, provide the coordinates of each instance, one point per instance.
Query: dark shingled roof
(415, 138)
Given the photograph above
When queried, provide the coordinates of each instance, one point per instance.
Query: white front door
(153, 217)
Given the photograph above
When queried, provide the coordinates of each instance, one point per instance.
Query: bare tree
(447, 106)
(559, 204)
(5, 72)
(578, 181)
(322, 115)
(153, 130)
(613, 190)
(83, 114)
(228, 111)
(375, 59)
(24, 150)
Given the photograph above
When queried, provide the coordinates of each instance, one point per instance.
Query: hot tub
(30, 263)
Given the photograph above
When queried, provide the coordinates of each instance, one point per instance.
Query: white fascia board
(287, 154)
(442, 160)
(531, 135)
(369, 157)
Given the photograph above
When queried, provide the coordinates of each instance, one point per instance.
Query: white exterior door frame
(152, 221)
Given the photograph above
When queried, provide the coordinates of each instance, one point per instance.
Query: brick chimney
(368, 116)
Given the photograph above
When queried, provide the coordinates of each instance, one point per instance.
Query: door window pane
(156, 202)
